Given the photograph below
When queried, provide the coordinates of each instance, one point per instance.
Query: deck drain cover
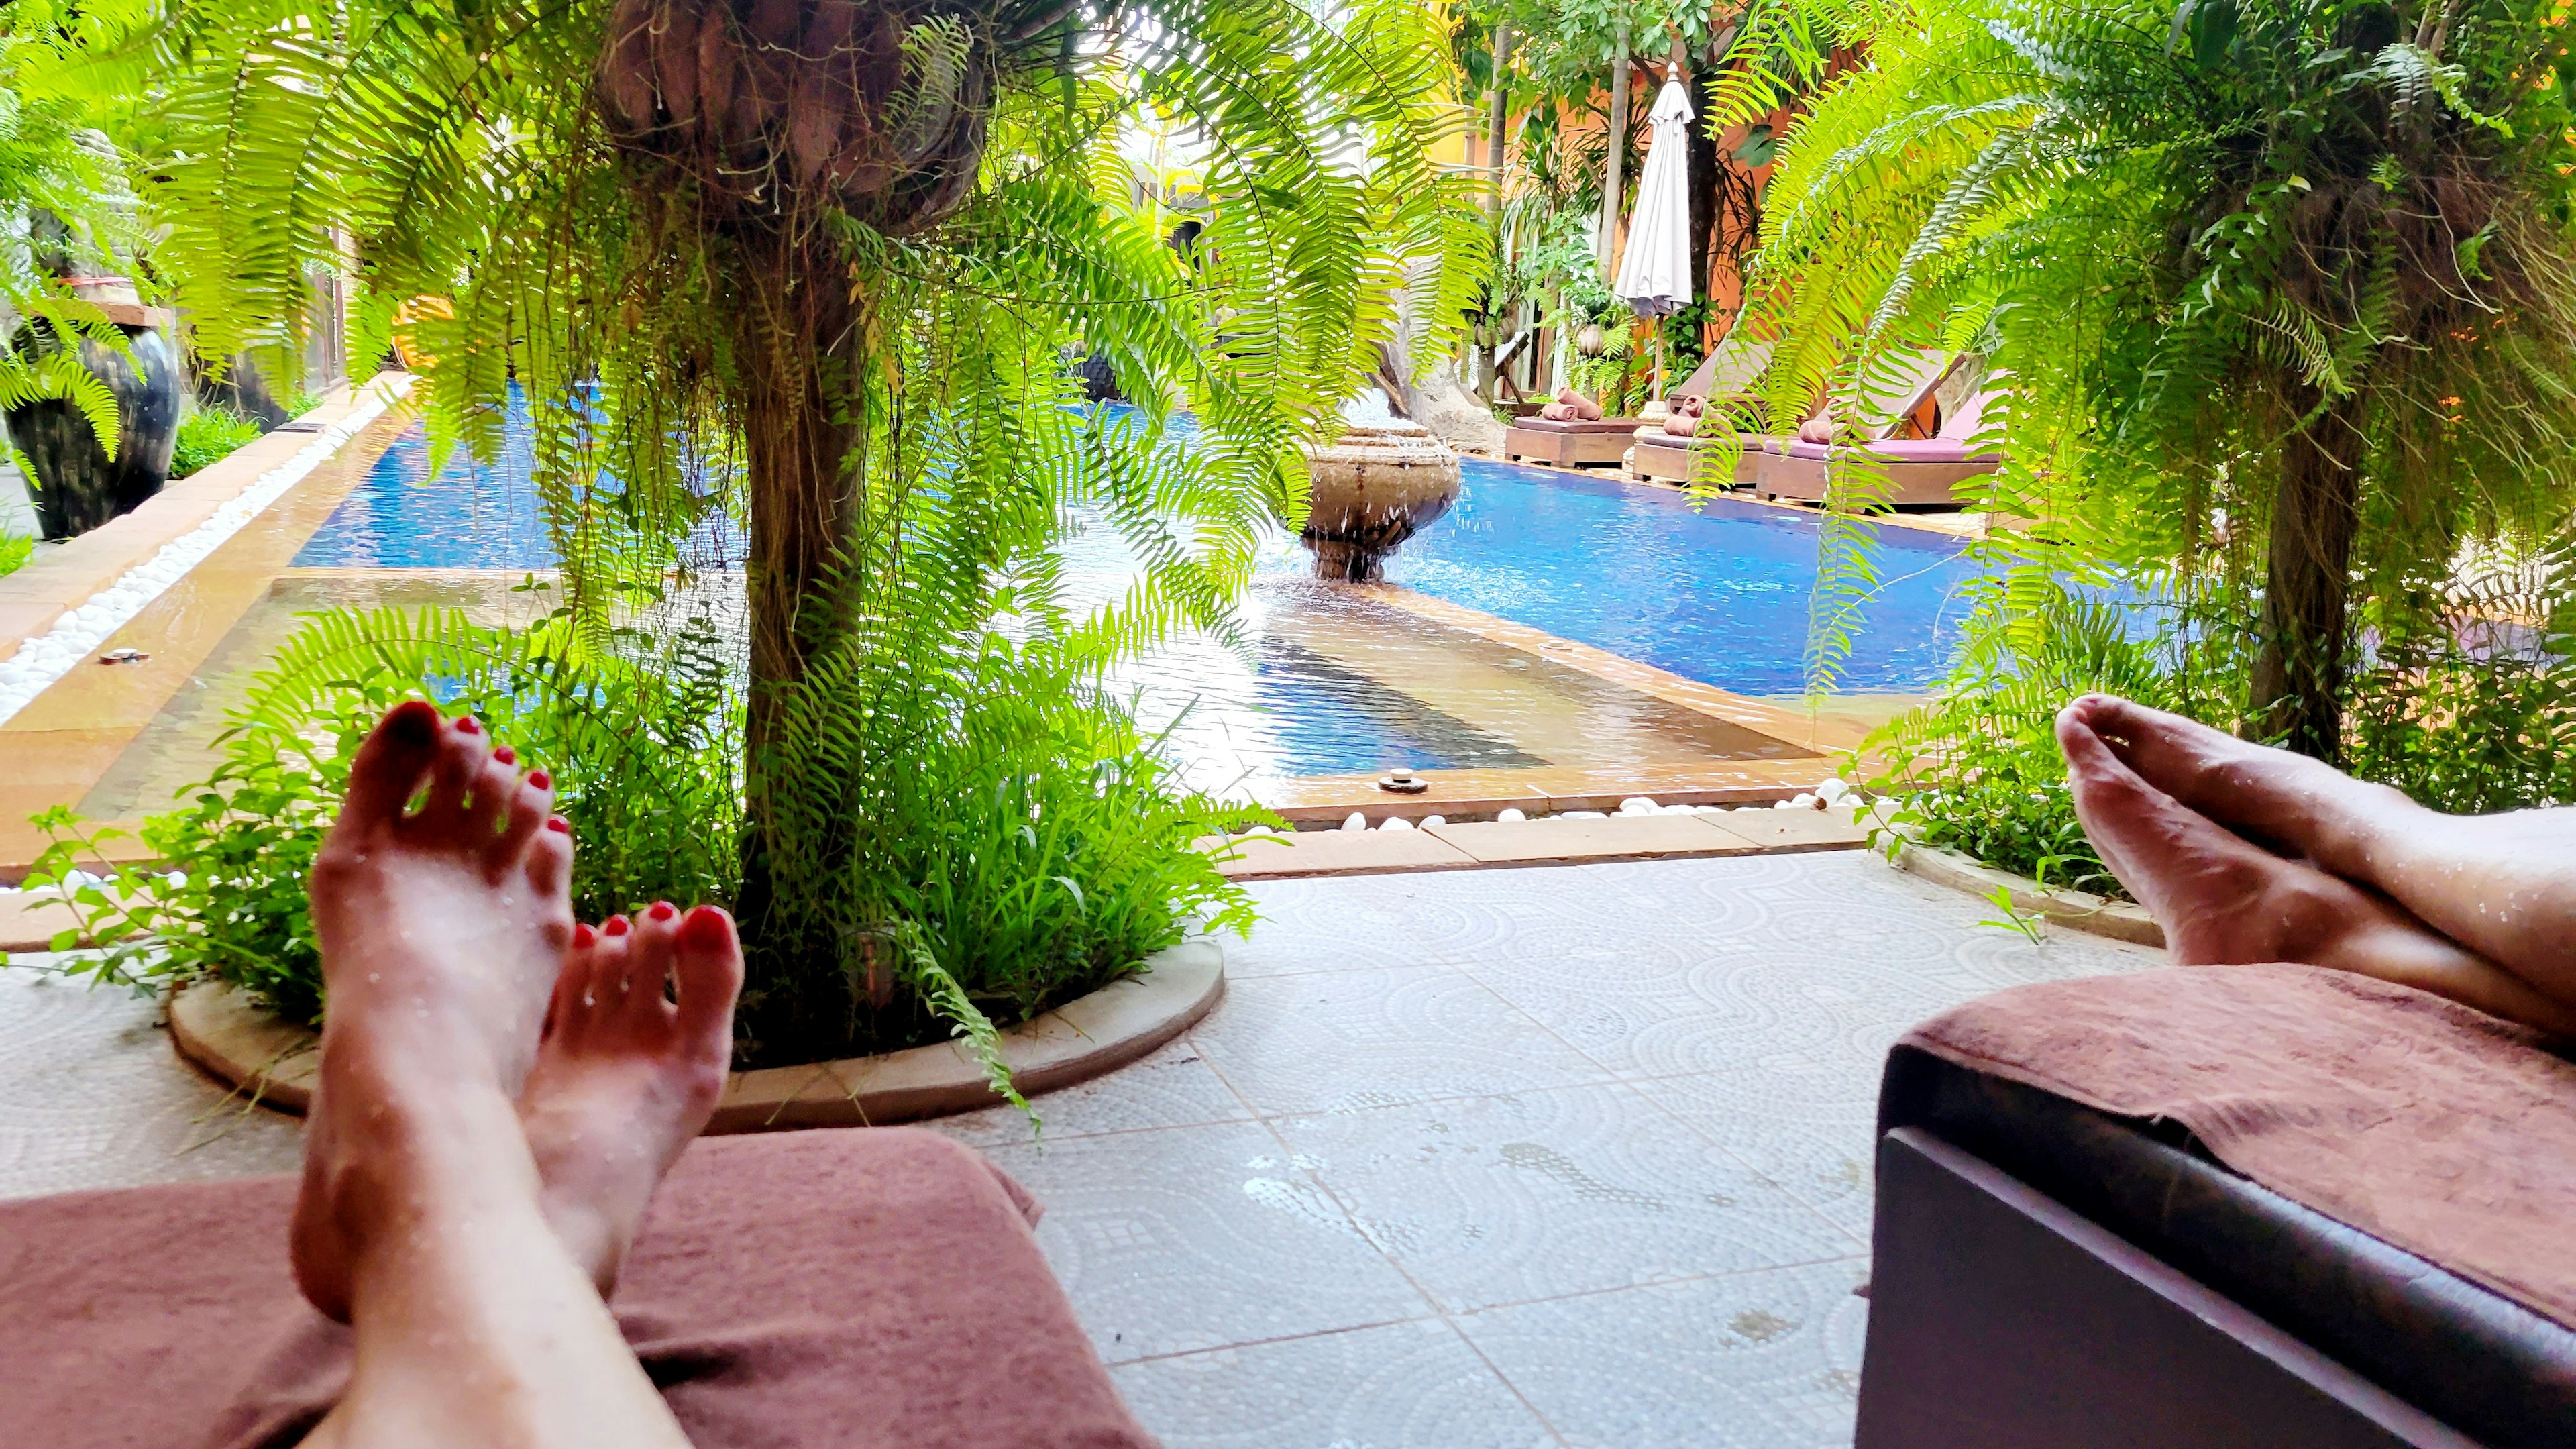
(1403, 782)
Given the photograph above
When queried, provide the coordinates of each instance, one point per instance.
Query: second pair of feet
(2245, 853)
(462, 993)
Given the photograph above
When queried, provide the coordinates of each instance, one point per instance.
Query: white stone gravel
(37, 662)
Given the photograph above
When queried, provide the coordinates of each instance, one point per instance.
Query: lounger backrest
(1963, 424)
(1729, 368)
(1897, 387)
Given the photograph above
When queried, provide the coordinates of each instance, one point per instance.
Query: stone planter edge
(270, 1063)
(2073, 909)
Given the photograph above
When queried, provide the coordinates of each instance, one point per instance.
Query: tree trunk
(1497, 112)
(1618, 157)
(2316, 511)
(797, 336)
(1703, 181)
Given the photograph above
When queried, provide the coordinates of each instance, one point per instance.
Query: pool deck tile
(66, 739)
(65, 576)
(1633, 837)
(1343, 852)
(1793, 830)
(1443, 1169)
(1553, 840)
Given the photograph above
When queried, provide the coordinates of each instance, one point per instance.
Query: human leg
(2504, 886)
(2223, 900)
(422, 1217)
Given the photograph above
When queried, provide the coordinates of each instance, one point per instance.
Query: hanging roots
(778, 107)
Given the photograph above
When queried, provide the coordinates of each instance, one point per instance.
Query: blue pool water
(1720, 593)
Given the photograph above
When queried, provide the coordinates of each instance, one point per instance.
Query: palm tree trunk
(798, 333)
(2316, 511)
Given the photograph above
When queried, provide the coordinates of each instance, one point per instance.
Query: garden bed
(273, 1063)
(2073, 909)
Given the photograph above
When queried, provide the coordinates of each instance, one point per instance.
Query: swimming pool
(1334, 683)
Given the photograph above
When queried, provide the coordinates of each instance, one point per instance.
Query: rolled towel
(1818, 429)
(1577, 406)
(1683, 420)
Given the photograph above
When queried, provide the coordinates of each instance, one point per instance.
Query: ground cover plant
(2284, 294)
(209, 435)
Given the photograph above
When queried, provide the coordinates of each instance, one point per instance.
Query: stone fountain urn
(1375, 487)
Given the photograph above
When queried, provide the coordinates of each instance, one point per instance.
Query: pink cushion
(1596, 425)
(859, 1286)
(1911, 450)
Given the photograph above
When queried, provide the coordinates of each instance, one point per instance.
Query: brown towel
(856, 1287)
(2434, 1127)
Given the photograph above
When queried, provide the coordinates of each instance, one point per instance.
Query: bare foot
(441, 934)
(2500, 885)
(2300, 804)
(626, 1076)
(2223, 900)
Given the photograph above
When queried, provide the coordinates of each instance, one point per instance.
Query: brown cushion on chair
(2426, 1124)
(869, 1286)
(2471, 1358)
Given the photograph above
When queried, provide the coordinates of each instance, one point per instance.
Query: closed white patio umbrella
(1655, 275)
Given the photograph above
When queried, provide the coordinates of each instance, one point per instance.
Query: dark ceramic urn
(78, 486)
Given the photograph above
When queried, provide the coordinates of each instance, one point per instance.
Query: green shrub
(1012, 839)
(1978, 769)
(209, 435)
(642, 751)
(15, 550)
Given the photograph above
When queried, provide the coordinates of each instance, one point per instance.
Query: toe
(391, 764)
(464, 749)
(487, 803)
(657, 931)
(710, 975)
(549, 859)
(531, 803)
(568, 1013)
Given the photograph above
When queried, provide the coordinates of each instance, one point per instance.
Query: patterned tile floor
(1572, 1156)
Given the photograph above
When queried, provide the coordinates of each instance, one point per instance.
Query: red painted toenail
(616, 926)
(558, 825)
(662, 911)
(708, 928)
(465, 725)
(413, 722)
(541, 779)
(582, 934)
(505, 755)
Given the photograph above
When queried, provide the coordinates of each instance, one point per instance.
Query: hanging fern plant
(800, 273)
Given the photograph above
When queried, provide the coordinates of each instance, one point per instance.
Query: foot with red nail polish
(637, 1042)
(442, 932)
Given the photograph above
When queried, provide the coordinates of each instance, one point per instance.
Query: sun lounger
(1909, 470)
(1605, 442)
(860, 1286)
(2222, 1208)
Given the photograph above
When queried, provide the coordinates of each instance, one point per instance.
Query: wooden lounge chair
(1604, 443)
(1885, 411)
(1916, 470)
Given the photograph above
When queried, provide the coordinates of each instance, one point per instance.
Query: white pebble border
(36, 663)
(1828, 794)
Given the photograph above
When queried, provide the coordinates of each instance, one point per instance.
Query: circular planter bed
(218, 1028)
(2073, 909)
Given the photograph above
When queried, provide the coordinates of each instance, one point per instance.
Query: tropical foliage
(63, 211)
(2283, 297)
(208, 435)
(785, 292)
